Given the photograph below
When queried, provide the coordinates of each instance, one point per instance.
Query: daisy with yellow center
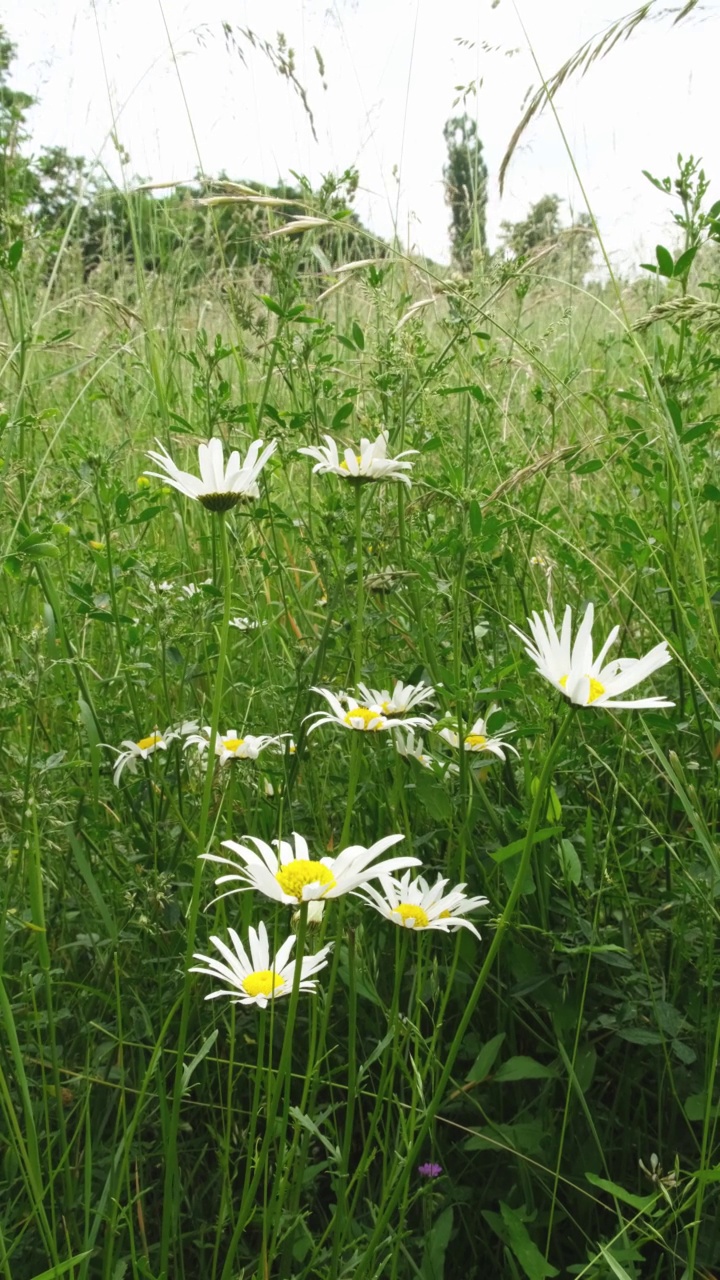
(371, 463)
(285, 872)
(415, 904)
(368, 719)
(141, 750)
(571, 668)
(478, 738)
(230, 746)
(257, 978)
(402, 698)
(219, 487)
(411, 747)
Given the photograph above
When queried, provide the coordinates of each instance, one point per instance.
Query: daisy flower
(583, 679)
(371, 463)
(134, 751)
(230, 746)
(285, 872)
(407, 745)
(402, 698)
(414, 904)
(478, 739)
(258, 979)
(219, 488)
(244, 624)
(357, 716)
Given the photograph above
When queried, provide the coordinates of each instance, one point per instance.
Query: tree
(16, 180)
(563, 251)
(465, 176)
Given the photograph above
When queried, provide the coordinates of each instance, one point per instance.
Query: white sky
(391, 70)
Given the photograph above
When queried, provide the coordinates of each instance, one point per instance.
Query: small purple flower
(430, 1170)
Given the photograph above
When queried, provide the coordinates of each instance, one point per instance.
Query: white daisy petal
(216, 488)
(584, 682)
(258, 978)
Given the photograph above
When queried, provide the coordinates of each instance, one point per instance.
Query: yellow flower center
(361, 718)
(344, 465)
(295, 875)
(475, 741)
(596, 689)
(232, 744)
(413, 913)
(263, 982)
(444, 915)
(146, 743)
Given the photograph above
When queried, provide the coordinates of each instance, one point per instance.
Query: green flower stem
(538, 808)
(225, 1160)
(294, 1170)
(255, 1107)
(342, 1173)
(171, 1183)
(247, 1204)
(360, 601)
(390, 1060)
(355, 763)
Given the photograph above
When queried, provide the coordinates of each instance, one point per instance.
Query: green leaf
(434, 799)
(640, 1035)
(522, 1068)
(587, 468)
(696, 1105)
(642, 1203)
(358, 336)
(436, 1243)
(475, 516)
(698, 430)
(483, 1064)
(190, 1067)
(618, 1271)
(517, 846)
(684, 262)
(513, 1232)
(63, 1267)
(673, 409)
(86, 871)
(526, 1138)
(14, 254)
(271, 304)
(342, 414)
(665, 262)
(570, 862)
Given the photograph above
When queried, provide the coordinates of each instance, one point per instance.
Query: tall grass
(561, 457)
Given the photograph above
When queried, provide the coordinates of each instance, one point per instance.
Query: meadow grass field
(517, 1077)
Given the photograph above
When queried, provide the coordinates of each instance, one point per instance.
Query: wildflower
(218, 488)
(286, 873)
(191, 589)
(315, 912)
(244, 624)
(430, 1169)
(229, 746)
(478, 738)
(402, 698)
(357, 716)
(371, 463)
(256, 979)
(155, 741)
(584, 681)
(414, 904)
(407, 745)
